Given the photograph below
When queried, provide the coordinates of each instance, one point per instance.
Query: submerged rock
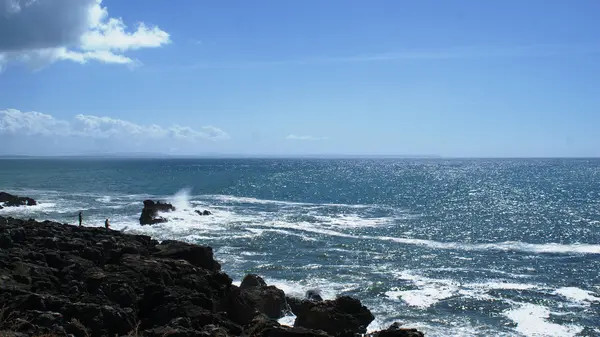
(205, 212)
(10, 200)
(150, 212)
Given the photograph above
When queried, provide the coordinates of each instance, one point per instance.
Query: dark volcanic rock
(62, 280)
(150, 212)
(344, 316)
(196, 255)
(314, 295)
(265, 327)
(268, 300)
(205, 212)
(252, 280)
(10, 200)
(396, 331)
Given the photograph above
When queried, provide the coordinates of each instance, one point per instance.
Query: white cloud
(306, 137)
(40, 32)
(15, 122)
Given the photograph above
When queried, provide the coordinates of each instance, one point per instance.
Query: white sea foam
(500, 284)
(328, 289)
(500, 246)
(104, 199)
(577, 295)
(249, 200)
(280, 231)
(352, 221)
(287, 320)
(532, 320)
(25, 210)
(430, 291)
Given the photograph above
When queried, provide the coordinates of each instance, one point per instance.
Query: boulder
(150, 212)
(255, 298)
(268, 300)
(10, 200)
(252, 280)
(205, 212)
(344, 316)
(314, 295)
(295, 304)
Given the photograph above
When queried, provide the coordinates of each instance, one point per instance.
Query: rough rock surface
(150, 212)
(343, 316)
(64, 280)
(396, 331)
(10, 200)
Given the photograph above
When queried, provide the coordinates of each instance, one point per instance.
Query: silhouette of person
(80, 219)
(106, 224)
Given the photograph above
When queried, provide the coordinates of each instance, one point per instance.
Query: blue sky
(450, 78)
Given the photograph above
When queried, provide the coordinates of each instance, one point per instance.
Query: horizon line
(279, 156)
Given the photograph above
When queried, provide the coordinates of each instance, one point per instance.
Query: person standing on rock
(106, 225)
(80, 219)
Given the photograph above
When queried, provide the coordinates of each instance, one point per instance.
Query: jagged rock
(268, 300)
(294, 304)
(150, 212)
(196, 255)
(61, 280)
(262, 326)
(395, 330)
(344, 316)
(252, 280)
(10, 200)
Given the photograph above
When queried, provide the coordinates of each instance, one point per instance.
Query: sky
(456, 78)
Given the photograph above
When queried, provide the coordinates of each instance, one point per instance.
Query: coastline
(60, 279)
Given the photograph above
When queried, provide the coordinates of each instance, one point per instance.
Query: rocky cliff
(62, 280)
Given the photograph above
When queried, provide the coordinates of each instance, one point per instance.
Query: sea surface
(452, 247)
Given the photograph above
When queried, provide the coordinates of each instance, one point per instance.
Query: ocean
(502, 247)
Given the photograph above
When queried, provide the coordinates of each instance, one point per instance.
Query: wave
(104, 199)
(545, 248)
(577, 295)
(228, 218)
(250, 200)
(517, 246)
(532, 320)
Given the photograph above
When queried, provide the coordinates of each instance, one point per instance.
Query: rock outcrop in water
(64, 280)
(10, 200)
(150, 212)
(205, 212)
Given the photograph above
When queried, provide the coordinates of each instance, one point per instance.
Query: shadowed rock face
(150, 212)
(60, 279)
(343, 316)
(10, 200)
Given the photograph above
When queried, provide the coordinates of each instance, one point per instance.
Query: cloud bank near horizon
(40, 32)
(16, 123)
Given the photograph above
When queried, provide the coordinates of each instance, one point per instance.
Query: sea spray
(181, 199)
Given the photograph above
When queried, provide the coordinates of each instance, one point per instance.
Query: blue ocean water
(452, 247)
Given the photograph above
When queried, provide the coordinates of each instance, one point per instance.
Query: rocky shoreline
(62, 280)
